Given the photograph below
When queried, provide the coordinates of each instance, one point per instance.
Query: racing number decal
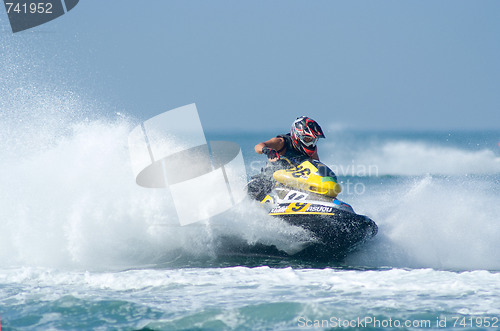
(301, 171)
(295, 195)
(298, 206)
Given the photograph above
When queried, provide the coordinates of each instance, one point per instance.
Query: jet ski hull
(336, 234)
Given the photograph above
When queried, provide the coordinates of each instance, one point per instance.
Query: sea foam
(69, 197)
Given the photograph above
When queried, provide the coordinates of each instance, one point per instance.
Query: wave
(438, 222)
(411, 158)
(69, 200)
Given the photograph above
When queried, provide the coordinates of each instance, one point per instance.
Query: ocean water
(84, 248)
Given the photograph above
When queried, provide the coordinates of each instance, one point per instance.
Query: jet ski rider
(301, 141)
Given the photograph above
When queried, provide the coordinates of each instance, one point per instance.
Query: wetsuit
(263, 183)
(290, 150)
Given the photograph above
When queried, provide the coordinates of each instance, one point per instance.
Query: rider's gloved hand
(271, 153)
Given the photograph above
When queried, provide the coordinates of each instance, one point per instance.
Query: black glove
(271, 153)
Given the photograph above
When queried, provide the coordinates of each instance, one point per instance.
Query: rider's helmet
(305, 133)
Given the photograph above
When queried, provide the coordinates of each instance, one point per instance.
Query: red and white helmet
(305, 133)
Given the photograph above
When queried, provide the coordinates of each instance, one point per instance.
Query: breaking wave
(443, 222)
(402, 157)
(69, 198)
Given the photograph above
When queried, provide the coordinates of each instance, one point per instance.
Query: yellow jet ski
(303, 192)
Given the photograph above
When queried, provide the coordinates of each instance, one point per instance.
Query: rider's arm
(273, 143)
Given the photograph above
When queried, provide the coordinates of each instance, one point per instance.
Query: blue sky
(257, 65)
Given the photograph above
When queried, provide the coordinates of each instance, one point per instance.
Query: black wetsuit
(261, 184)
(291, 152)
